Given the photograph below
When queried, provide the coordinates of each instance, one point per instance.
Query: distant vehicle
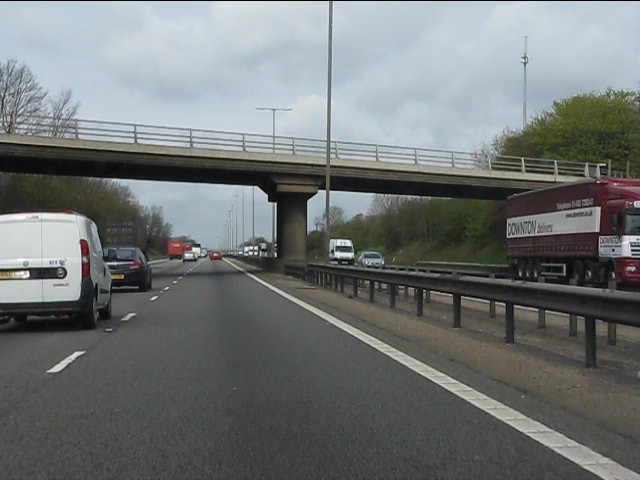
(371, 259)
(588, 230)
(203, 252)
(250, 251)
(341, 251)
(195, 247)
(51, 264)
(175, 247)
(189, 256)
(215, 255)
(129, 267)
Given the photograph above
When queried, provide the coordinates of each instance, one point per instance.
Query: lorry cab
(341, 251)
(51, 264)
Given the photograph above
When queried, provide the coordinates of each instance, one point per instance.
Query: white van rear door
(61, 248)
(20, 253)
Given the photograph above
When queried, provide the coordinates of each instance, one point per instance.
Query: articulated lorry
(587, 230)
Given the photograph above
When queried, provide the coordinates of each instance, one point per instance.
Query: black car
(129, 267)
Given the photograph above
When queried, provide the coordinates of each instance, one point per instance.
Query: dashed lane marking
(66, 362)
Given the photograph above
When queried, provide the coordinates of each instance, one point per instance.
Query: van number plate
(13, 274)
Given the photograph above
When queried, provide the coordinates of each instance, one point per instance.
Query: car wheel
(89, 319)
(20, 318)
(150, 282)
(105, 313)
(144, 285)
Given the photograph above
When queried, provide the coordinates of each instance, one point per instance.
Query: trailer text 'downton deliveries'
(588, 230)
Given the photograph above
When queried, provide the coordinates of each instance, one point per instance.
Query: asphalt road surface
(213, 375)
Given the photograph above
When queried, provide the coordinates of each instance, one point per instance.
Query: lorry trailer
(588, 230)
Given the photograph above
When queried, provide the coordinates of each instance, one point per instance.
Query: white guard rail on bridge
(246, 142)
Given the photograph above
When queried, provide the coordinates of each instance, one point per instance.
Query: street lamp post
(235, 211)
(273, 136)
(524, 60)
(243, 237)
(229, 231)
(328, 169)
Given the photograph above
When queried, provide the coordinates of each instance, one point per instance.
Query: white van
(341, 251)
(51, 264)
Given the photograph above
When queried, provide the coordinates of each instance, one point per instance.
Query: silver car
(189, 256)
(371, 259)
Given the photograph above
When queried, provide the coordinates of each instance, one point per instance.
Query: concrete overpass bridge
(290, 170)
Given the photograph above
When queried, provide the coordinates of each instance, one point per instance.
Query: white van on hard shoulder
(51, 264)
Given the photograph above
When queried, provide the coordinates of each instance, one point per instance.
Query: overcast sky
(441, 75)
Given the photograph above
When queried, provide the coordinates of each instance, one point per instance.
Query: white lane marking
(127, 317)
(175, 281)
(154, 298)
(581, 455)
(65, 363)
(166, 288)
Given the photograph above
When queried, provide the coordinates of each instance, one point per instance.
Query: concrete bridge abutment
(291, 196)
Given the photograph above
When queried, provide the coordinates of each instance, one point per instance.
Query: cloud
(443, 75)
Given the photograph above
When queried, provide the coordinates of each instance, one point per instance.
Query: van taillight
(84, 251)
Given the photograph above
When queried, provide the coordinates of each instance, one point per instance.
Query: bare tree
(21, 98)
(27, 108)
(61, 114)
(158, 231)
(486, 155)
(383, 204)
(336, 217)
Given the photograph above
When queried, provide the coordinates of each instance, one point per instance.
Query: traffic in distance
(55, 263)
(55, 266)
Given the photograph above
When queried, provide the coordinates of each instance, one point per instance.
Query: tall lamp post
(229, 231)
(524, 60)
(243, 237)
(273, 135)
(235, 213)
(328, 169)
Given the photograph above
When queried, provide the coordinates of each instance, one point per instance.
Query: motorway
(215, 374)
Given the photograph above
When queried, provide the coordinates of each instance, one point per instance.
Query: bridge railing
(96, 130)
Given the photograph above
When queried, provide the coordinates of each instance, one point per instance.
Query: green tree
(594, 128)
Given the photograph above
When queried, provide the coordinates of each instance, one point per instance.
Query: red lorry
(587, 230)
(175, 248)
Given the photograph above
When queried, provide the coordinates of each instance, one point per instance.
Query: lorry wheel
(610, 273)
(577, 272)
(535, 269)
(521, 271)
(529, 269)
(589, 272)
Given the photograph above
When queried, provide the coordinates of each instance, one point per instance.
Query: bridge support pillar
(291, 196)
